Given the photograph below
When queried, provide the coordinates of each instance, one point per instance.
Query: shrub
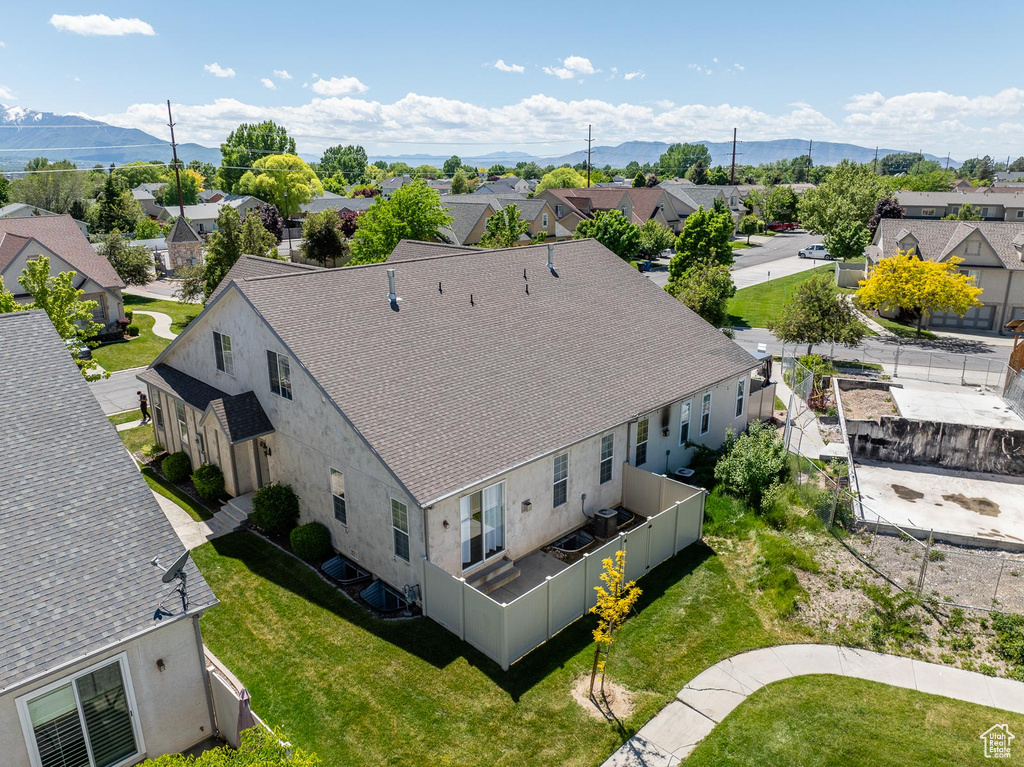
(152, 450)
(1009, 644)
(209, 481)
(177, 466)
(133, 330)
(752, 462)
(311, 541)
(275, 509)
(129, 315)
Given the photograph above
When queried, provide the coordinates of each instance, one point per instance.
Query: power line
(80, 148)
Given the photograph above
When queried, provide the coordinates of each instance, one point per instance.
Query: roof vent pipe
(551, 256)
(392, 293)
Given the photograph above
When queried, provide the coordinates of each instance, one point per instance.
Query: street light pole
(286, 226)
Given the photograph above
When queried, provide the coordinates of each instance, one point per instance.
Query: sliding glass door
(483, 524)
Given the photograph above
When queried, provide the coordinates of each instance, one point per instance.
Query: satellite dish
(174, 570)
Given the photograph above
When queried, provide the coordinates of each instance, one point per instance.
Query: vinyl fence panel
(567, 595)
(526, 622)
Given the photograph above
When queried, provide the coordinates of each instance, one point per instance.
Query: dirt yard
(863, 404)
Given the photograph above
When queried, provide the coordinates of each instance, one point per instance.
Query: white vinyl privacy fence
(505, 632)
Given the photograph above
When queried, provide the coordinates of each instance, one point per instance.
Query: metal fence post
(963, 373)
(924, 564)
(995, 596)
(835, 504)
(928, 375)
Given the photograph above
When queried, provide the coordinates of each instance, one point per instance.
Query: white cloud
(6, 94)
(664, 103)
(101, 24)
(339, 86)
(217, 70)
(634, 75)
(3, 44)
(268, 83)
(572, 66)
(501, 66)
(740, 67)
(282, 74)
(715, 60)
(698, 67)
(77, 79)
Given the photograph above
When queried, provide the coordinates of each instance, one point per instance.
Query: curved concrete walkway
(161, 324)
(674, 733)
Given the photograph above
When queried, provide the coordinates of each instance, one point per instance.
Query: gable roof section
(449, 394)
(254, 267)
(61, 235)
(644, 201)
(410, 250)
(465, 218)
(182, 232)
(241, 416)
(76, 535)
(936, 239)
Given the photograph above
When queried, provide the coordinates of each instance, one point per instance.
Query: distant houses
(204, 215)
(990, 205)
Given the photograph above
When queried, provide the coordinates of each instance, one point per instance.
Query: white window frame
(223, 357)
(201, 447)
(685, 417)
(559, 478)
(985, 212)
(741, 396)
(927, 211)
(181, 416)
(606, 461)
(28, 731)
(281, 361)
(335, 497)
(647, 433)
(396, 531)
(558, 211)
(1020, 214)
(544, 219)
(158, 412)
(705, 413)
(975, 273)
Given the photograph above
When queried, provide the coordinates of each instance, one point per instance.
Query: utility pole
(174, 150)
(732, 170)
(590, 141)
(810, 162)
(947, 160)
(874, 163)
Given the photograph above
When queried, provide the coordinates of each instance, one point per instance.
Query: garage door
(977, 318)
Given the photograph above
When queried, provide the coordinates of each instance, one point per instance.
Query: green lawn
(135, 353)
(181, 314)
(127, 417)
(157, 483)
(819, 720)
(358, 690)
(754, 306)
(741, 244)
(137, 438)
(903, 330)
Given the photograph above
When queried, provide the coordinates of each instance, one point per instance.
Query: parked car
(81, 351)
(817, 250)
(782, 226)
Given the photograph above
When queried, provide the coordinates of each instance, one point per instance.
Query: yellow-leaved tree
(905, 281)
(614, 601)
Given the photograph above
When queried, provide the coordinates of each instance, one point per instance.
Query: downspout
(206, 677)
(1006, 303)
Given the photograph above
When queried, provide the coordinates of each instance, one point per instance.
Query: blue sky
(406, 77)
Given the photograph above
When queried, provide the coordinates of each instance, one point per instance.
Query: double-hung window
(705, 413)
(684, 423)
(544, 220)
(87, 720)
(201, 445)
(560, 492)
(280, 372)
(607, 453)
(179, 411)
(741, 389)
(158, 412)
(222, 351)
(642, 427)
(400, 528)
(338, 496)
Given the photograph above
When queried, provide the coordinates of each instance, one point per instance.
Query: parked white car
(814, 251)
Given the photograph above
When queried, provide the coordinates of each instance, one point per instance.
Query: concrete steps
(234, 514)
(494, 576)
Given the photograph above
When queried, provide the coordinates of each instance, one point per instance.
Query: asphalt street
(117, 393)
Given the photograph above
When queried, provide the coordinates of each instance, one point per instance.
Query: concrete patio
(955, 404)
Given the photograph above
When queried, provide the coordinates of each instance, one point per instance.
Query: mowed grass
(137, 438)
(126, 417)
(903, 330)
(753, 307)
(181, 314)
(821, 720)
(138, 352)
(360, 691)
(158, 484)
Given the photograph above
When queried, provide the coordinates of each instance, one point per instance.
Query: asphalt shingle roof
(182, 232)
(410, 250)
(61, 235)
(189, 390)
(251, 267)
(78, 525)
(465, 217)
(241, 416)
(450, 392)
(935, 239)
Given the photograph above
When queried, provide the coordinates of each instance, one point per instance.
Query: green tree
(284, 180)
(718, 176)
(191, 186)
(51, 186)
(141, 172)
(413, 212)
(614, 231)
(133, 263)
(336, 183)
(639, 180)
(817, 313)
(223, 249)
(1017, 166)
(561, 178)
(460, 184)
(748, 226)
(934, 181)
(698, 173)
(207, 170)
(849, 195)
(753, 462)
(775, 203)
(191, 283)
(615, 601)
(147, 229)
(898, 162)
(256, 239)
(62, 301)
(705, 287)
(654, 238)
(967, 212)
(116, 208)
(528, 170)
(5, 190)
(451, 165)
(705, 237)
(847, 240)
(504, 228)
(322, 240)
(349, 161)
(245, 145)
(679, 158)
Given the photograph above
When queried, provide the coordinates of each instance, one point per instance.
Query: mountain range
(27, 133)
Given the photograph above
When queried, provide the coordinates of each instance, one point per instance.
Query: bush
(1009, 644)
(133, 330)
(209, 482)
(129, 315)
(311, 541)
(275, 509)
(752, 462)
(177, 466)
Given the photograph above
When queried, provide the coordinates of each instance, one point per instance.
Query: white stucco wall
(171, 704)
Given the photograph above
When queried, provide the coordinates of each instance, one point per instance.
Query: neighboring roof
(142, 194)
(15, 207)
(206, 211)
(644, 201)
(449, 393)
(561, 231)
(395, 182)
(182, 231)
(936, 238)
(254, 267)
(322, 202)
(189, 390)
(959, 198)
(78, 525)
(465, 218)
(240, 416)
(355, 204)
(61, 235)
(410, 250)
(501, 186)
(529, 208)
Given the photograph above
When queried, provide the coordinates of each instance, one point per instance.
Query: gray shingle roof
(935, 239)
(939, 199)
(189, 390)
(61, 235)
(78, 525)
(449, 393)
(465, 217)
(409, 250)
(182, 232)
(252, 267)
(241, 416)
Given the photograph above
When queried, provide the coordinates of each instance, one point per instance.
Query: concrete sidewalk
(744, 277)
(674, 733)
(190, 532)
(161, 324)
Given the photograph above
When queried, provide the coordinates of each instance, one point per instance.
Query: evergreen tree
(639, 180)
(223, 248)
